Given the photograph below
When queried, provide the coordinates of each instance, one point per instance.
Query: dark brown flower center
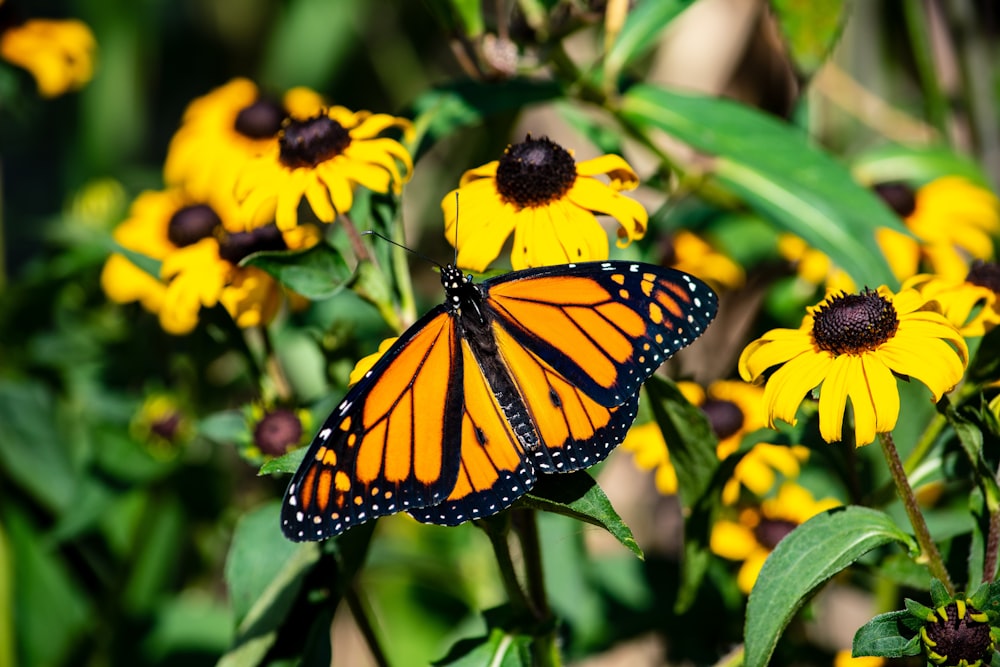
(771, 531)
(167, 426)
(959, 639)
(306, 143)
(899, 197)
(260, 120)
(854, 323)
(277, 431)
(535, 172)
(725, 417)
(234, 247)
(191, 224)
(985, 274)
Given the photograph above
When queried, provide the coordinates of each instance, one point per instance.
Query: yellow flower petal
(732, 540)
(791, 383)
(622, 176)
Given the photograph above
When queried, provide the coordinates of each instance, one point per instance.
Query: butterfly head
(455, 285)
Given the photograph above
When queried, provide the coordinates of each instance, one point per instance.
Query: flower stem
(929, 551)
(992, 537)
(533, 604)
(364, 624)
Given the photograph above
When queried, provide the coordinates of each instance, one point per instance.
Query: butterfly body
(531, 372)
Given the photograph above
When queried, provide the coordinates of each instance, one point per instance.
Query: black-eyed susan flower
(198, 262)
(970, 304)
(957, 634)
(954, 220)
(274, 431)
(59, 54)
(690, 253)
(734, 409)
(222, 130)
(323, 158)
(163, 425)
(548, 200)
(757, 530)
(854, 345)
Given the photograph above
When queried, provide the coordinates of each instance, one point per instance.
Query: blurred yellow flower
(222, 131)
(690, 253)
(954, 221)
(163, 425)
(970, 304)
(198, 262)
(365, 363)
(548, 200)
(855, 345)
(650, 449)
(323, 158)
(844, 659)
(733, 409)
(58, 53)
(757, 530)
(813, 266)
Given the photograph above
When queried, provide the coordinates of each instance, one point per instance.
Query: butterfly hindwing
(389, 446)
(605, 326)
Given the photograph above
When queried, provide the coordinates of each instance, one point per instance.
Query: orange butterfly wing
(390, 445)
(533, 371)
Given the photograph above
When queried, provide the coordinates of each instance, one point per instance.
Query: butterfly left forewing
(390, 445)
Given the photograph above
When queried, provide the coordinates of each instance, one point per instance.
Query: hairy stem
(928, 548)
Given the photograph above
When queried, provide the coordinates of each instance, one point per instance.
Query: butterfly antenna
(400, 245)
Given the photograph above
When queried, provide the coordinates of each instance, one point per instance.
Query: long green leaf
(808, 556)
(644, 25)
(776, 171)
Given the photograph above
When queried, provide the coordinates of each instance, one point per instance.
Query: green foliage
(805, 558)
(142, 486)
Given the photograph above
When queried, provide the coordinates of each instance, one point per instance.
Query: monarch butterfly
(534, 371)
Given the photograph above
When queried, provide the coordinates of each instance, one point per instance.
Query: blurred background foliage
(117, 539)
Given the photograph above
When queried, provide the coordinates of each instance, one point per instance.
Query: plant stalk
(928, 548)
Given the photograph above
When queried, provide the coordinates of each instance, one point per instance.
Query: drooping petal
(883, 391)
(776, 347)
(844, 371)
(789, 385)
(622, 176)
(930, 360)
(732, 540)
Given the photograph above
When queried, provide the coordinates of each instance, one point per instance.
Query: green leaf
(287, 463)
(641, 32)
(502, 645)
(578, 496)
(316, 273)
(692, 445)
(805, 558)
(224, 427)
(810, 29)
(970, 432)
(31, 447)
(439, 112)
(881, 637)
(918, 165)
(500, 648)
(262, 567)
(51, 610)
(776, 170)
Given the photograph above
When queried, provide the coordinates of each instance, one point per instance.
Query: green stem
(498, 530)
(929, 551)
(526, 527)
(360, 614)
(272, 366)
